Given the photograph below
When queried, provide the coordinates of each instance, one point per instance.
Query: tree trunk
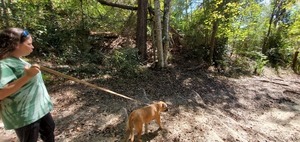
(266, 39)
(158, 36)
(141, 34)
(294, 63)
(212, 42)
(154, 42)
(153, 33)
(82, 16)
(166, 38)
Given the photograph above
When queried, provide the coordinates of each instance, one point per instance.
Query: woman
(24, 101)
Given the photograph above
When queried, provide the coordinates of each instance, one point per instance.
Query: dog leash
(85, 83)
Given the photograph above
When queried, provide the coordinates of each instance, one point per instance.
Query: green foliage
(237, 66)
(243, 24)
(124, 62)
(199, 29)
(61, 31)
(260, 62)
(277, 54)
(220, 52)
(294, 36)
(179, 16)
(61, 28)
(246, 32)
(49, 79)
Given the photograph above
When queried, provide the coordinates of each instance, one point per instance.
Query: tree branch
(117, 5)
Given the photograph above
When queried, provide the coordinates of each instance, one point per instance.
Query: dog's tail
(129, 128)
(129, 133)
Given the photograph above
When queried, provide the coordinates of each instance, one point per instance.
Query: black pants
(30, 133)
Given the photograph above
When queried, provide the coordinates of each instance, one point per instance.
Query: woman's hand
(32, 71)
(13, 87)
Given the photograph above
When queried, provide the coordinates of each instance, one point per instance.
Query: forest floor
(203, 106)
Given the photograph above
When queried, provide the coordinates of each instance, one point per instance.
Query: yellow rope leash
(84, 82)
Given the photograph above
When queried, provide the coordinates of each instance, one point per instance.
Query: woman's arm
(14, 86)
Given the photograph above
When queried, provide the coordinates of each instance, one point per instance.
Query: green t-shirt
(28, 104)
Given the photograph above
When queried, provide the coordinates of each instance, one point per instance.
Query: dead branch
(145, 96)
(104, 34)
(296, 82)
(291, 91)
(117, 5)
(263, 80)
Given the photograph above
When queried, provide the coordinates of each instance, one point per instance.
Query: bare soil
(204, 106)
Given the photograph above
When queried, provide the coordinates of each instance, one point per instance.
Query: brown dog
(142, 116)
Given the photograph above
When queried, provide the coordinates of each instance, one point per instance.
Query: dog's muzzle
(166, 109)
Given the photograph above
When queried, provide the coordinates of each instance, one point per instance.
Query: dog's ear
(163, 106)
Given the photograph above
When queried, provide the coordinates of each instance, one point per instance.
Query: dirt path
(204, 107)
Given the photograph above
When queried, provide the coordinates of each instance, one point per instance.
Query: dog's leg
(139, 130)
(131, 137)
(139, 135)
(146, 128)
(157, 119)
(128, 133)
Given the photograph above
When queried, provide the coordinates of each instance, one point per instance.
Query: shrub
(123, 62)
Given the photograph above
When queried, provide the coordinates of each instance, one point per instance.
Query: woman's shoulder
(12, 62)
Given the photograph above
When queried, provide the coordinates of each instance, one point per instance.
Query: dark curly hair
(10, 38)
